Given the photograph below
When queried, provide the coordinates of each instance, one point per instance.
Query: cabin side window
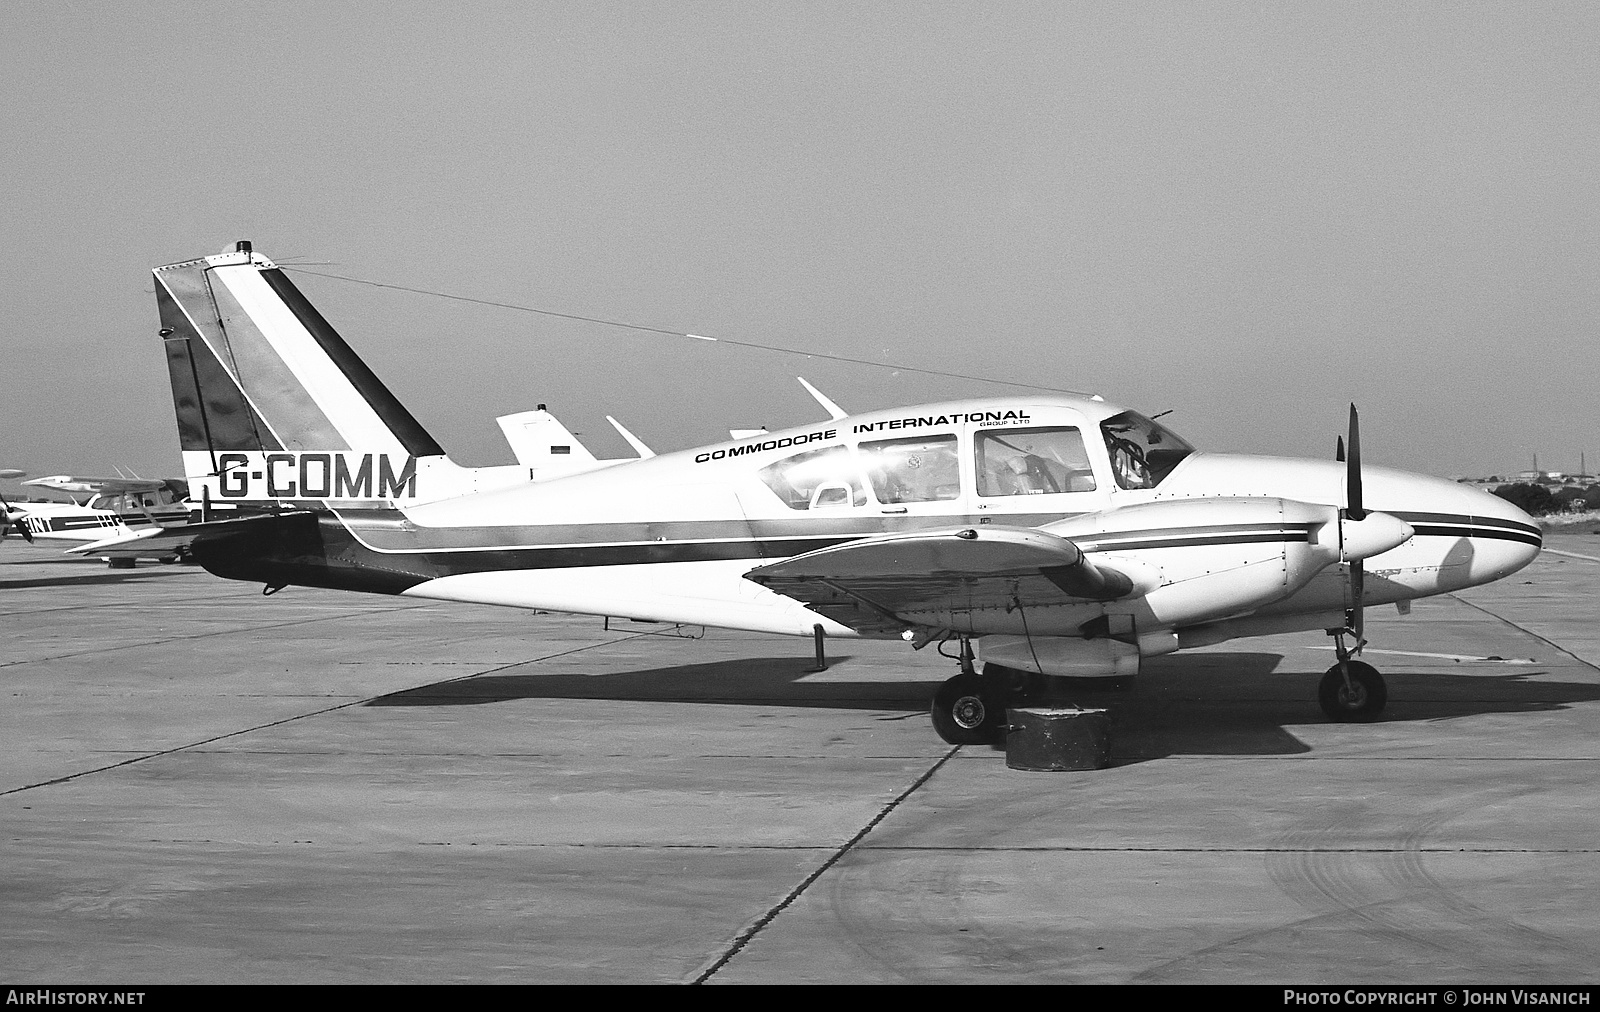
(1143, 452)
(817, 479)
(1032, 461)
(920, 469)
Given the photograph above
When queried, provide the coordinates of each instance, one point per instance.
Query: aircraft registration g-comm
(982, 418)
(314, 475)
(1047, 535)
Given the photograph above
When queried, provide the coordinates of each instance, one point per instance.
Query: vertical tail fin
(272, 404)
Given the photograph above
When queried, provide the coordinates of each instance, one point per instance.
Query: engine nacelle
(1068, 657)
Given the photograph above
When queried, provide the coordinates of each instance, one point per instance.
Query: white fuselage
(50, 521)
(671, 537)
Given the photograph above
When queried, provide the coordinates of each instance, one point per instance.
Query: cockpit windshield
(1143, 452)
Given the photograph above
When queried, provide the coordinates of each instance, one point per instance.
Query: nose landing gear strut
(1351, 690)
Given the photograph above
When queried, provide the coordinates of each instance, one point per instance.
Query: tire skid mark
(1402, 901)
(1385, 906)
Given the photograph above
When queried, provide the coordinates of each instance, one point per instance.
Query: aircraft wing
(179, 539)
(893, 581)
(96, 486)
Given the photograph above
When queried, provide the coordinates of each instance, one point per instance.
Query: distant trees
(1569, 497)
(1538, 500)
(1534, 500)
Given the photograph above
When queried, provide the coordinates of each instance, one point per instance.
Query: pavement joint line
(1121, 760)
(1551, 643)
(276, 723)
(1190, 757)
(899, 848)
(1084, 849)
(1459, 658)
(1571, 555)
(512, 664)
(749, 933)
(819, 757)
(197, 636)
(406, 604)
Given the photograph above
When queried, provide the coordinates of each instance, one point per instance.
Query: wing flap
(894, 581)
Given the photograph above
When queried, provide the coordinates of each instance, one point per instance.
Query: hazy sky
(1248, 213)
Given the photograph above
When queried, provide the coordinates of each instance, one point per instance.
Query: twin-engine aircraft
(1038, 536)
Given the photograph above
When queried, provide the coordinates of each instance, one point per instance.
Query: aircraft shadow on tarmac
(87, 579)
(1202, 704)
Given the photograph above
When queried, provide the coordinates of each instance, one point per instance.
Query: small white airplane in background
(1048, 535)
(125, 510)
(115, 508)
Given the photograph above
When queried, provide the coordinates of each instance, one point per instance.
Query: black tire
(965, 712)
(1363, 699)
(1014, 686)
(121, 563)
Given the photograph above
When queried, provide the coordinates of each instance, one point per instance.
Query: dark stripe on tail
(400, 421)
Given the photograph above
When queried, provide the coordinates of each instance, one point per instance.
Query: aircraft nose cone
(1516, 539)
(1373, 535)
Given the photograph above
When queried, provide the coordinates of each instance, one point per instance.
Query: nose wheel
(1352, 691)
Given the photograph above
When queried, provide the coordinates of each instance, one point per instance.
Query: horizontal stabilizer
(540, 440)
(179, 540)
(924, 578)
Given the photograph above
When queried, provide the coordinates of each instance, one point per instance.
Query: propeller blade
(1355, 619)
(1338, 450)
(1353, 507)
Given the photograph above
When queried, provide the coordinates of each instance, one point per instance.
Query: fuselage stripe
(1463, 520)
(1488, 533)
(775, 547)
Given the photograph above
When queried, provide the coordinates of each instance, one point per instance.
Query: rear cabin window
(1032, 461)
(817, 479)
(920, 469)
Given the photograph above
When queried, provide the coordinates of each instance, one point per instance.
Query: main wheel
(965, 712)
(1362, 699)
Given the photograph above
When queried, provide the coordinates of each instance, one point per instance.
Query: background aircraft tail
(274, 407)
